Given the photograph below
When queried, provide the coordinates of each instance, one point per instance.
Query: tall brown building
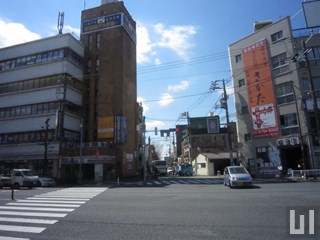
(109, 35)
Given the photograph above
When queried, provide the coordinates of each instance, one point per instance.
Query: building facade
(204, 136)
(276, 120)
(40, 102)
(111, 111)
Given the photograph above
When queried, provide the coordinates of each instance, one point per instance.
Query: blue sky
(182, 45)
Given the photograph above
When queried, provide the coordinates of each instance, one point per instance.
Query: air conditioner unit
(281, 142)
(294, 141)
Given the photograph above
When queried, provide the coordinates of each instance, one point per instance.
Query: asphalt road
(169, 211)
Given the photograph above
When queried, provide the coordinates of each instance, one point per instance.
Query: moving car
(237, 176)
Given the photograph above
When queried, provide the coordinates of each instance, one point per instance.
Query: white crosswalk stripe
(39, 211)
(184, 181)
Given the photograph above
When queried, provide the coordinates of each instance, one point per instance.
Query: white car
(47, 181)
(237, 176)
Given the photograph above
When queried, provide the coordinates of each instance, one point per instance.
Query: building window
(98, 40)
(314, 56)
(238, 58)
(284, 93)
(247, 137)
(201, 165)
(307, 89)
(89, 65)
(244, 110)
(241, 82)
(277, 36)
(90, 42)
(280, 64)
(289, 124)
(97, 64)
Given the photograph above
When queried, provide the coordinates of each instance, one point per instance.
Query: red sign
(261, 100)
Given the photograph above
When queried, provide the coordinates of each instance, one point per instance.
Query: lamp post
(224, 104)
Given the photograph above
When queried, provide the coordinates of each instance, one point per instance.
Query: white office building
(40, 103)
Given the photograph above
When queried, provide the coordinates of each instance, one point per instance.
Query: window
(238, 58)
(247, 137)
(284, 93)
(277, 36)
(89, 65)
(90, 42)
(280, 64)
(314, 56)
(241, 82)
(289, 124)
(201, 165)
(98, 40)
(244, 110)
(97, 64)
(306, 86)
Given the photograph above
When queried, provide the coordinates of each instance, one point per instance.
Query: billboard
(311, 11)
(261, 98)
(101, 23)
(106, 127)
(213, 124)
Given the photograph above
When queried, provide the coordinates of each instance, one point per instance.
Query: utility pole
(45, 144)
(224, 104)
(312, 89)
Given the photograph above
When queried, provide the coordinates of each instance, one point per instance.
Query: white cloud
(144, 45)
(150, 40)
(176, 38)
(183, 85)
(151, 125)
(166, 99)
(144, 105)
(15, 33)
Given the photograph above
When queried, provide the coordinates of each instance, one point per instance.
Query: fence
(311, 173)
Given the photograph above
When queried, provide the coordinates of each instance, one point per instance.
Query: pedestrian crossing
(34, 214)
(183, 181)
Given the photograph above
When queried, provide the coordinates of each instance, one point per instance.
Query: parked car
(237, 176)
(47, 181)
(24, 178)
(5, 181)
(186, 170)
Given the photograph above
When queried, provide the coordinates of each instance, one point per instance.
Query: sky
(182, 47)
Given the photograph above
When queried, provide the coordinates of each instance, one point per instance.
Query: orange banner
(105, 127)
(261, 100)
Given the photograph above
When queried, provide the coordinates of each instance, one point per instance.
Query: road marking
(38, 209)
(12, 238)
(43, 204)
(27, 220)
(21, 229)
(59, 198)
(34, 214)
(51, 201)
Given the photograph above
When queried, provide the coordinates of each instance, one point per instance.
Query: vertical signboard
(261, 100)
(105, 127)
(120, 129)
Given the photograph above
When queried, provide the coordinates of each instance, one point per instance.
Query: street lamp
(224, 104)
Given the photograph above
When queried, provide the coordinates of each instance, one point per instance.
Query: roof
(220, 155)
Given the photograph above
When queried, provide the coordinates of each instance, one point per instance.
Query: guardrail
(310, 173)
